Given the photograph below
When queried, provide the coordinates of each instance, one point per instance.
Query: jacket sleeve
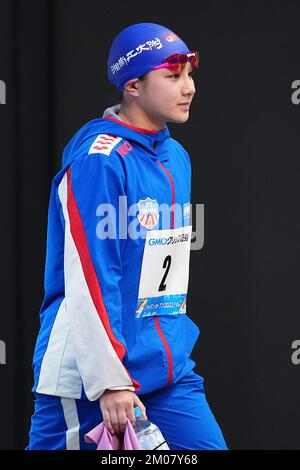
(90, 187)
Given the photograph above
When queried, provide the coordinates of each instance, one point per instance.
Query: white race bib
(165, 272)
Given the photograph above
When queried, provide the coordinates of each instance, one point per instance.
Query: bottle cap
(137, 412)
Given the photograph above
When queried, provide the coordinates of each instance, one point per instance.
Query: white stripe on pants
(72, 422)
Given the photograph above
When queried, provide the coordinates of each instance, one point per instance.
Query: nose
(188, 86)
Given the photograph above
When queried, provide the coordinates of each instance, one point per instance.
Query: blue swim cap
(138, 49)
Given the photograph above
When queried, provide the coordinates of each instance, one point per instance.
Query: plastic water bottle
(148, 434)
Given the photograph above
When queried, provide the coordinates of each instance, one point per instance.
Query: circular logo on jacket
(148, 215)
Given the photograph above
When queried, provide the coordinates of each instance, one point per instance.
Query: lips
(185, 106)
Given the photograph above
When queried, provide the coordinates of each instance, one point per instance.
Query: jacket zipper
(156, 319)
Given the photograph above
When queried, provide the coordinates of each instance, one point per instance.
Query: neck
(137, 117)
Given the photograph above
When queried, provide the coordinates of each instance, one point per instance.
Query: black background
(244, 142)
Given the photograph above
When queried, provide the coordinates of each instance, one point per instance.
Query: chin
(179, 119)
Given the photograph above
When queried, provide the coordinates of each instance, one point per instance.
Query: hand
(116, 406)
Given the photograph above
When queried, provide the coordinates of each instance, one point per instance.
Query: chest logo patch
(148, 215)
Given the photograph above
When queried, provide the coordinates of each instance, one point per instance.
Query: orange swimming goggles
(177, 62)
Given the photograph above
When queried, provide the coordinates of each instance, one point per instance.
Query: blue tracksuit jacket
(113, 314)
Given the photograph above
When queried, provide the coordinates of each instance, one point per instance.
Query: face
(165, 96)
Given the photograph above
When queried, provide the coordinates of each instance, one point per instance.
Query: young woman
(114, 329)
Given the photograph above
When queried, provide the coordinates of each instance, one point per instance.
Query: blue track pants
(179, 410)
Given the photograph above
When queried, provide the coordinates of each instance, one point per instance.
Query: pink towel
(107, 441)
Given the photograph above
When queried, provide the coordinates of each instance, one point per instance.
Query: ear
(132, 87)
